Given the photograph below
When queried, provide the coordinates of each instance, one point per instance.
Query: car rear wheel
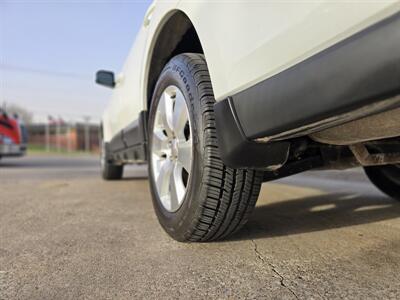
(386, 178)
(196, 197)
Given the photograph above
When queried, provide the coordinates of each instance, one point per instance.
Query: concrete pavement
(66, 234)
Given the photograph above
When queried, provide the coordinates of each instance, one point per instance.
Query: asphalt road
(66, 234)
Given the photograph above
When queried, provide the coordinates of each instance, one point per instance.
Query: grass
(41, 150)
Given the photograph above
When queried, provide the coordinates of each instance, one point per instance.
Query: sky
(50, 51)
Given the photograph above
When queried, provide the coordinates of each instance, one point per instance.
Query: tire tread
(230, 194)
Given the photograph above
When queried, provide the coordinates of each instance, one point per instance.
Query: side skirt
(130, 144)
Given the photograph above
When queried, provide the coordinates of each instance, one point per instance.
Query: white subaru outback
(220, 96)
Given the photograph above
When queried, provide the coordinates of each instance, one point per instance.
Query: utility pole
(47, 135)
(68, 137)
(87, 133)
(58, 132)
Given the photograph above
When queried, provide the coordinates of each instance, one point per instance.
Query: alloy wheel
(171, 148)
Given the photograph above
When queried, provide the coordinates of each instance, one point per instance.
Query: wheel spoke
(180, 116)
(177, 188)
(185, 154)
(164, 177)
(174, 189)
(165, 112)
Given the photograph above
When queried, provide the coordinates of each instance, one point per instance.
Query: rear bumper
(347, 81)
(12, 150)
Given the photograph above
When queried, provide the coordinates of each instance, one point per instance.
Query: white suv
(219, 96)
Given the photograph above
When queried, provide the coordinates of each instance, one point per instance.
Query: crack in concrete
(273, 268)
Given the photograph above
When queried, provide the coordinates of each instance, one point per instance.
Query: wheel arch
(176, 34)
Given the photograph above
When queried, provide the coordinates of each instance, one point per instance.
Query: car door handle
(149, 14)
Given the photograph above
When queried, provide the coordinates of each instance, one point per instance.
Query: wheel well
(177, 36)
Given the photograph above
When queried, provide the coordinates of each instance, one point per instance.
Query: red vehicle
(13, 137)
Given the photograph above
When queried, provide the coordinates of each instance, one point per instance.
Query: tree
(22, 113)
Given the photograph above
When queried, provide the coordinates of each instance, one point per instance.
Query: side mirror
(105, 78)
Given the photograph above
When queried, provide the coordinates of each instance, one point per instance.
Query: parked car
(13, 137)
(218, 97)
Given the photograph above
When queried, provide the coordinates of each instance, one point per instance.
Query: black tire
(109, 171)
(218, 199)
(386, 178)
